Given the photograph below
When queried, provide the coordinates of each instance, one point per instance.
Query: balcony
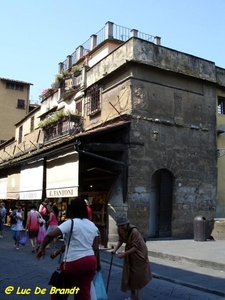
(67, 125)
(70, 85)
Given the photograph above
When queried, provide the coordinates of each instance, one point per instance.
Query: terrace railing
(109, 31)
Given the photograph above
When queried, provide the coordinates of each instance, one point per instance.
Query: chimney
(93, 41)
(79, 52)
(109, 30)
(69, 61)
(157, 40)
(60, 67)
(134, 33)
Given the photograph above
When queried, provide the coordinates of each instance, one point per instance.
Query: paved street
(23, 273)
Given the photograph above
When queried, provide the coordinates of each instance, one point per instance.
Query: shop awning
(31, 181)
(3, 188)
(13, 184)
(62, 175)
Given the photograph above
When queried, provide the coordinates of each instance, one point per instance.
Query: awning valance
(13, 184)
(31, 181)
(3, 188)
(62, 175)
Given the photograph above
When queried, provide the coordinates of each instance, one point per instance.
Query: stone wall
(176, 130)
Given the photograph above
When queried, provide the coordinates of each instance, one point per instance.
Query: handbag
(41, 220)
(58, 277)
(24, 239)
(41, 234)
(100, 287)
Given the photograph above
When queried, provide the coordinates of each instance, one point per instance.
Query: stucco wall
(9, 113)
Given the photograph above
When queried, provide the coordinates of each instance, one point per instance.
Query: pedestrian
(32, 225)
(53, 221)
(89, 210)
(136, 267)
(82, 256)
(44, 210)
(17, 225)
(2, 218)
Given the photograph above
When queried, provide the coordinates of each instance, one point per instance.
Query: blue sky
(37, 35)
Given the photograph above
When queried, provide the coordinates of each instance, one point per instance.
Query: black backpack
(13, 219)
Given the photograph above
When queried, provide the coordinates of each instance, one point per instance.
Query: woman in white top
(18, 226)
(82, 256)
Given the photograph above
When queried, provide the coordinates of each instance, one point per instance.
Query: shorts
(32, 234)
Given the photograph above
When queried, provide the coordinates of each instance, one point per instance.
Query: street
(23, 275)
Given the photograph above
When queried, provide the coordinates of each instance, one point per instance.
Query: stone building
(14, 105)
(131, 126)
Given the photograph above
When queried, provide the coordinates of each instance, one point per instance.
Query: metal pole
(110, 267)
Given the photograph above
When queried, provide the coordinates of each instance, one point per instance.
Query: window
(221, 105)
(20, 135)
(21, 104)
(32, 124)
(14, 86)
(79, 107)
(93, 103)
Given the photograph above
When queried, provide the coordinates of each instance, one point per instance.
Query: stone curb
(197, 262)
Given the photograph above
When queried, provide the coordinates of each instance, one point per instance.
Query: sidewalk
(199, 265)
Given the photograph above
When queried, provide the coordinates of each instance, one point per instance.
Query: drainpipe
(124, 185)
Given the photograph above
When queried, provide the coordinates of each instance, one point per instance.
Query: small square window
(21, 104)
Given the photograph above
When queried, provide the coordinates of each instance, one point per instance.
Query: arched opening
(161, 202)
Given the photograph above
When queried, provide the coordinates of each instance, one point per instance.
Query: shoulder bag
(58, 277)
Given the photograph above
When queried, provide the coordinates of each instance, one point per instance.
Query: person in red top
(53, 221)
(32, 225)
(89, 210)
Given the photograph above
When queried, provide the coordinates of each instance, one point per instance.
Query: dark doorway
(161, 202)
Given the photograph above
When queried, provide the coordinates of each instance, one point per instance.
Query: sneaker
(17, 248)
(1, 236)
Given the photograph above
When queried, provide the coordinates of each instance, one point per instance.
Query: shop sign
(31, 195)
(62, 193)
(13, 196)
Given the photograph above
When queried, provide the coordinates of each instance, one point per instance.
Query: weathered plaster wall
(154, 55)
(172, 60)
(220, 211)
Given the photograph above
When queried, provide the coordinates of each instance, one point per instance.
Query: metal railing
(119, 33)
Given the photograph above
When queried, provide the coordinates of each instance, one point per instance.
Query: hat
(121, 219)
